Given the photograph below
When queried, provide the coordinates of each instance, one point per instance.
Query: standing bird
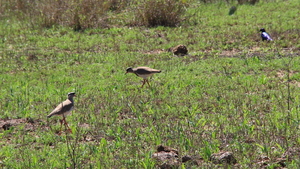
(63, 109)
(232, 10)
(143, 72)
(264, 35)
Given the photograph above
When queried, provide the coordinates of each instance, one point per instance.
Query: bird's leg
(61, 122)
(148, 82)
(144, 81)
(67, 126)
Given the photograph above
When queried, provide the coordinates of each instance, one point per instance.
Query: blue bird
(264, 35)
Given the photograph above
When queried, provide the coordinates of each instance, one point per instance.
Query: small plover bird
(143, 72)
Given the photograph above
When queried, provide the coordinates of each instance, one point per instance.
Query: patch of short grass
(231, 93)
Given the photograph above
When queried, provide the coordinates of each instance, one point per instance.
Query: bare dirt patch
(8, 124)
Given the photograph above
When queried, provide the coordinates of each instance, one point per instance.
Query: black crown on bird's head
(71, 94)
(129, 70)
(262, 30)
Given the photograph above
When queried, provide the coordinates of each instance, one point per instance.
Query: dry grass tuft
(160, 13)
(78, 14)
(252, 2)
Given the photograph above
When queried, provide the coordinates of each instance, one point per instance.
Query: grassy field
(233, 92)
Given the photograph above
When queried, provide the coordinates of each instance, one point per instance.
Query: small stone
(186, 158)
(180, 50)
(6, 126)
(223, 157)
(167, 157)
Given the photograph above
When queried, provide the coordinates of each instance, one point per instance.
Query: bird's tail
(49, 116)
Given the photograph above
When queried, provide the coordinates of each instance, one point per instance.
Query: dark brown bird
(63, 109)
(143, 72)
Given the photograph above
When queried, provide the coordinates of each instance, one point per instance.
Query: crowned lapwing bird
(264, 35)
(143, 72)
(63, 109)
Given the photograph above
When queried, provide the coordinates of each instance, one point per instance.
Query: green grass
(230, 89)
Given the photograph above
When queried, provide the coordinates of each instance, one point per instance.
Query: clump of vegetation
(160, 13)
(93, 13)
(252, 2)
(73, 13)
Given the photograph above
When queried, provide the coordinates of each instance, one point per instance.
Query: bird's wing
(62, 108)
(266, 36)
(146, 70)
(143, 70)
(155, 71)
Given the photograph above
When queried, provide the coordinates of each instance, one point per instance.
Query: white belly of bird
(144, 76)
